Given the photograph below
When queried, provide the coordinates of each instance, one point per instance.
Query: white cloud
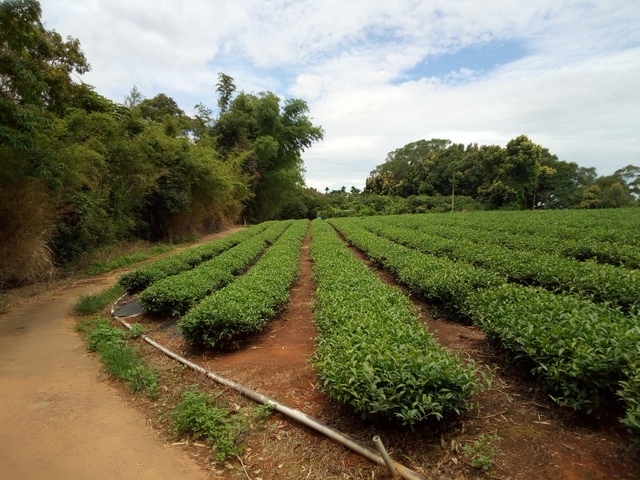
(574, 90)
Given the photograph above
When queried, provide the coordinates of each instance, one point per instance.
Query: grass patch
(202, 417)
(121, 360)
(102, 266)
(92, 304)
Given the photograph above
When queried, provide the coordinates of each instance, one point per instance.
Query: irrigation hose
(341, 438)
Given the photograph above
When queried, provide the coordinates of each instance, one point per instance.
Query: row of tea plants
(584, 351)
(248, 303)
(372, 353)
(599, 282)
(140, 278)
(605, 236)
(176, 294)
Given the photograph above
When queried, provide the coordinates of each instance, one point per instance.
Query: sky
(379, 74)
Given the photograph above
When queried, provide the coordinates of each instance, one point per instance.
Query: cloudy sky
(378, 74)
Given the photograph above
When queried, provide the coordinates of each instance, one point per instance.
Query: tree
(35, 83)
(630, 175)
(405, 170)
(274, 135)
(134, 98)
(225, 87)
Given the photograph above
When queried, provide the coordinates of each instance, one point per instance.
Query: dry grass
(27, 217)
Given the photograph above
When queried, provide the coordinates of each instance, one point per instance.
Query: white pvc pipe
(310, 422)
(385, 456)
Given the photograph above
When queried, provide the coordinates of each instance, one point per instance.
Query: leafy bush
(372, 353)
(630, 394)
(444, 282)
(247, 304)
(176, 294)
(199, 418)
(141, 278)
(580, 348)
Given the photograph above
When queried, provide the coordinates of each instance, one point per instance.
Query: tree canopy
(522, 175)
(79, 171)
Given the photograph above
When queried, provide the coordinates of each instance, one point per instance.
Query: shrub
(246, 305)
(177, 294)
(373, 354)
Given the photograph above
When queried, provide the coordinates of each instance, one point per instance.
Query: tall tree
(274, 134)
(630, 175)
(35, 83)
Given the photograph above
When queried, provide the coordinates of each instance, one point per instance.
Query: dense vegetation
(80, 171)
(523, 175)
(580, 334)
(372, 352)
(565, 315)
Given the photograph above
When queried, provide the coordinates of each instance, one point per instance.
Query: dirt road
(58, 419)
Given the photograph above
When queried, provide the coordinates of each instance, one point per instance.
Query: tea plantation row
(580, 332)
(586, 352)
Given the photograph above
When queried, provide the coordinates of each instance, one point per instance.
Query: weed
(159, 249)
(262, 412)
(136, 331)
(101, 333)
(198, 417)
(124, 363)
(90, 304)
(102, 266)
(120, 360)
(481, 453)
(487, 375)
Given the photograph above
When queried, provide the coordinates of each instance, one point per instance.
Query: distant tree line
(523, 175)
(440, 176)
(78, 171)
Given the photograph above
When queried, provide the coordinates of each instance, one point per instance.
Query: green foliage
(372, 353)
(121, 361)
(98, 267)
(136, 331)
(523, 175)
(248, 303)
(273, 135)
(198, 417)
(100, 332)
(142, 277)
(177, 294)
(339, 203)
(36, 70)
(482, 452)
(124, 363)
(584, 352)
(581, 349)
(445, 283)
(90, 304)
(114, 172)
(602, 283)
(630, 394)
